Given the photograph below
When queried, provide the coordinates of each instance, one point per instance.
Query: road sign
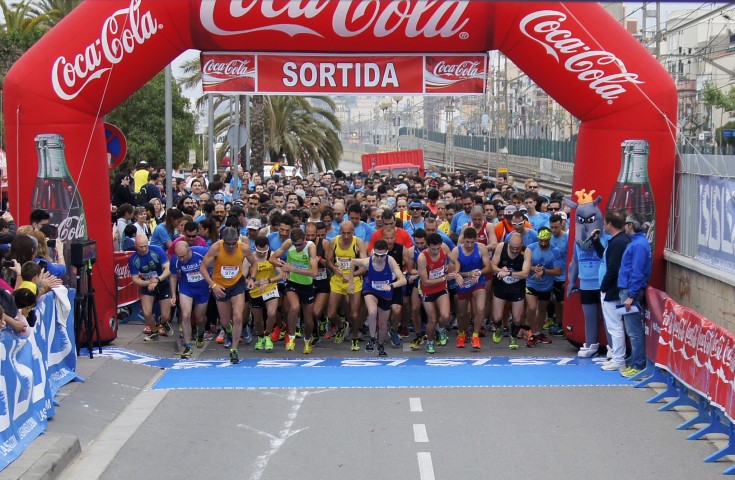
(117, 146)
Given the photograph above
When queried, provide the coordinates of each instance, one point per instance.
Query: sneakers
(395, 339)
(381, 350)
(260, 343)
(355, 345)
(460, 340)
(151, 338)
(186, 353)
(147, 330)
(200, 339)
(322, 328)
(162, 331)
(234, 359)
(612, 366)
(276, 335)
(221, 337)
(498, 335)
(430, 346)
(404, 332)
(228, 340)
(247, 336)
(549, 323)
(588, 351)
(630, 372)
(307, 346)
(290, 343)
(370, 346)
(556, 330)
(522, 333)
(340, 336)
(442, 336)
(416, 343)
(531, 340)
(268, 344)
(513, 343)
(475, 342)
(298, 333)
(543, 338)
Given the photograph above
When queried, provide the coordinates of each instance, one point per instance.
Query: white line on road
(415, 404)
(426, 468)
(419, 433)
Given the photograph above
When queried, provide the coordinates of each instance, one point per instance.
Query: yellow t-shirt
(30, 286)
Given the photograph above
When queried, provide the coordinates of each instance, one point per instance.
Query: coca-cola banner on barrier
(103, 51)
(295, 74)
(127, 292)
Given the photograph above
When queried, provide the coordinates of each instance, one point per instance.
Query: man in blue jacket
(635, 269)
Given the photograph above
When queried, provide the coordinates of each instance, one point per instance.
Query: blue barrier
(32, 370)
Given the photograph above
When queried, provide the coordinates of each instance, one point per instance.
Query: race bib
(468, 282)
(509, 279)
(272, 294)
(378, 286)
(321, 274)
(228, 271)
(343, 263)
(436, 273)
(148, 275)
(194, 277)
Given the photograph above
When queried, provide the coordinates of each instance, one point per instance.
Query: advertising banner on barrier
(716, 230)
(32, 369)
(127, 292)
(655, 303)
(300, 74)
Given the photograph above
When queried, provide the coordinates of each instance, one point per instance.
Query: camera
(7, 263)
(51, 243)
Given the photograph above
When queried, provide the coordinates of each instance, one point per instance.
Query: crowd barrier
(695, 359)
(32, 370)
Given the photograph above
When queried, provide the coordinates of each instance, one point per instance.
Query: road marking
(415, 404)
(426, 468)
(419, 433)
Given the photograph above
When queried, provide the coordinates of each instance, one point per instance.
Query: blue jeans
(634, 328)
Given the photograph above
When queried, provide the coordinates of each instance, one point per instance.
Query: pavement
(114, 389)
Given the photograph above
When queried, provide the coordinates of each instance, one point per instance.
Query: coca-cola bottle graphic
(56, 192)
(632, 191)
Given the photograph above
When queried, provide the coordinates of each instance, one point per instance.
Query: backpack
(141, 197)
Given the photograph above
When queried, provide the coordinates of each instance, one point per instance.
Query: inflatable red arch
(106, 49)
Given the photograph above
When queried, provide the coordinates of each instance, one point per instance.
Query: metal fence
(560, 150)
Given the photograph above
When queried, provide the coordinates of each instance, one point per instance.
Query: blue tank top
(467, 263)
(375, 278)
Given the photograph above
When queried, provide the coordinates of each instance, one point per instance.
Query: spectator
(57, 268)
(121, 192)
(140, 177)
(8, 231)
(39, 217)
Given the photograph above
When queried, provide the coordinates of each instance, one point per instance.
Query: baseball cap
(238, 203)
(415, 205)
(563, 215)
(143, 163)
(509, 210)
(254, 224)
(544, 234)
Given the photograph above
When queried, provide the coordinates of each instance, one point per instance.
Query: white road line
(426, 468)
(419, 433)
(415, 404)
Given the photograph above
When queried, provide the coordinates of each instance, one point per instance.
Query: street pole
(168, 80)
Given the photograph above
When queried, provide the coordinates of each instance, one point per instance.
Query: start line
(256, 373)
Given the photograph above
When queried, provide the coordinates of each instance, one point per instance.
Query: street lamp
(384, 105)
(397, 99)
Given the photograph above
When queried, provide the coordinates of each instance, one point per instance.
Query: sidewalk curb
(61, 451)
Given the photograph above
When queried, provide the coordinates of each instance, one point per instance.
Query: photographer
(43, 257)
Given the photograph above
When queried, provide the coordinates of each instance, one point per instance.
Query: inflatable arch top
(106, 49)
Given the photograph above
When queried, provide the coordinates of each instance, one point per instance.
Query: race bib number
(148, 275)
(436, 273)
(343, 263)
(272, 294)
(381, 286)
(468, 282)
(509, 279)
(321, 274)
(194, 277)
(229, 271)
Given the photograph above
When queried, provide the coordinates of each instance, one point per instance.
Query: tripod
(85, 311)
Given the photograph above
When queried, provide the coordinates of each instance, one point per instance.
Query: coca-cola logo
(73, 228)
(465, 69)
(122, 271)
(605, 73)
(234, 67)
(349, 18)
(121, 33)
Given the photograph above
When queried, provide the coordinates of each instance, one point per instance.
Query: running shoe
(260, 343)
(276, 335)
(151, 338)
(498, 335)
(200, 340)
(333, 330)
(234, 359)
(186, 353)
(556, 330)
(461, 340)
(181, 328)
(404, 332)
(416, 343)
(247, 336)
(162, 330)
(483, 331)
(355, 346)
(531, 340)
(322, 328)
(340, 335)
(315, 340)
(381, 350)
(542, 338)
(513, 343)
(147, 330)
(370, 346)
(522, 333)
(395, 338)
(430, 346)
(630, 372)
(221, 337)
(298, 333)
(307, 346)
(549, 323)
(475, 342)
(282, 335)
(442, 336)
(291, 343)
(268, 344)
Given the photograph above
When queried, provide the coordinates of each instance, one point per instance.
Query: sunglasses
(517, 224)
(297, 245)
(380, 254)
(553, 209)
(416, 208)
(315, 204)
(192, 236)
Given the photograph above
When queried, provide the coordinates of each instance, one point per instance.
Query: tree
(713, 96)
(55, 10)
(141, 117)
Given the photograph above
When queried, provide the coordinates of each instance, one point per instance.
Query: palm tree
(257, 133)
(55, 10)
(20, 18)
